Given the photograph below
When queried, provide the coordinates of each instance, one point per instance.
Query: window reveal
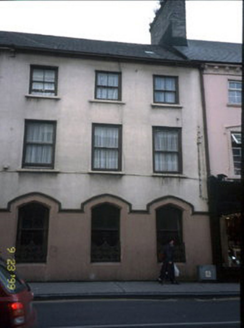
(167, 150)
(108, 86)
(169, 225)
(106, 147)
(234, 92)
(236, 151)
(39, 144)
(32, 233)
(43, 81)
(105, 234)
(165, 89)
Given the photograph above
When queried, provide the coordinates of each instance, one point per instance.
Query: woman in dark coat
(168, 263)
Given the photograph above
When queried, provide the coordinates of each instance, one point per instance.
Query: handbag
(176, 270)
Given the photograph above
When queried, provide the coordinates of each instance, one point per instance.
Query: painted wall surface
(71, 189)
(222, 117)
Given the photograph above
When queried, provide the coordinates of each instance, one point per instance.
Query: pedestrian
(168, 263)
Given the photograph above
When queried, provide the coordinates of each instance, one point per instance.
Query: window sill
(170, 106)
(233, 178)
(169, 175)
(33, 170)
(107, 172)
(100, 101)
(234, 105)
(42, 97)
(105, 263)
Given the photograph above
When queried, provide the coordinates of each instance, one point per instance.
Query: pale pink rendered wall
(221, 119)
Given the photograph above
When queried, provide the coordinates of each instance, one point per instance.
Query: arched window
(32, 234)
(105, 234)
(169, 225)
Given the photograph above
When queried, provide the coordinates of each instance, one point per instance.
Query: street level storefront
(225, 216)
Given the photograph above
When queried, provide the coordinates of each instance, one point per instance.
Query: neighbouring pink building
(222, 86)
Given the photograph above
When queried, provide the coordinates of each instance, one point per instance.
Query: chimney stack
(169, 24)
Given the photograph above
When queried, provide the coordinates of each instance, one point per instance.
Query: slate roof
(57, 44)
(210, 51)
(196, 51)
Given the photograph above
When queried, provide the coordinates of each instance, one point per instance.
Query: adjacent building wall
(222, 117)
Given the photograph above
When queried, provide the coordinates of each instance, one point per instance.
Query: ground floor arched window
(32, 233)
(105, 233)
(169, 225)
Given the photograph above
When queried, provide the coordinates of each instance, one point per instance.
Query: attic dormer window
(43, 81)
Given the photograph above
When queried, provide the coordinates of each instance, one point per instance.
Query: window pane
(159, 96)
(38, 86)
(105, 159)
(235, 85)
(101, 93)
(159, 83)
(170, 84)
(49, 86)
(38, 154)
(102, 79)
(38, 75)
(106, 137)
(166, 162)
(235, 97)
(113, 94)
(166, 140)
(39, 132)
(236, 138)
(170, 97)
(49, 76)
(113, 80)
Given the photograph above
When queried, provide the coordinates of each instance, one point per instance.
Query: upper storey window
(106, 147)
(167, 151)
(43, 81)
(235, 92)
(236, 151)
(165, 89)
(39, 144)
(108, 86)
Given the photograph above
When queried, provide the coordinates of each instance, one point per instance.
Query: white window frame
(236, 90)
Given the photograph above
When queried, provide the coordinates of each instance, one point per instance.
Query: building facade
(102, 161)
(104, 153)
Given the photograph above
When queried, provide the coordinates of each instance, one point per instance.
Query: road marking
(156, 325)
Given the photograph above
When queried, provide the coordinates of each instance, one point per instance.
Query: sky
(120, 20)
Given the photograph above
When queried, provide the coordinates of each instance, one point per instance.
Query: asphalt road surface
(139, 313)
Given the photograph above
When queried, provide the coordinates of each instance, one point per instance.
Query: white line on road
(187, 324)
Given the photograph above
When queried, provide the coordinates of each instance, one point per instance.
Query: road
(139, 313)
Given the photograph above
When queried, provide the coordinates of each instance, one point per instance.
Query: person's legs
(164, 269)
(171, 273)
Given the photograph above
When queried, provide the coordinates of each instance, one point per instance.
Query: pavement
(132, 289)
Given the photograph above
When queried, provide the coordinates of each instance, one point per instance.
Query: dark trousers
(167, 268)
